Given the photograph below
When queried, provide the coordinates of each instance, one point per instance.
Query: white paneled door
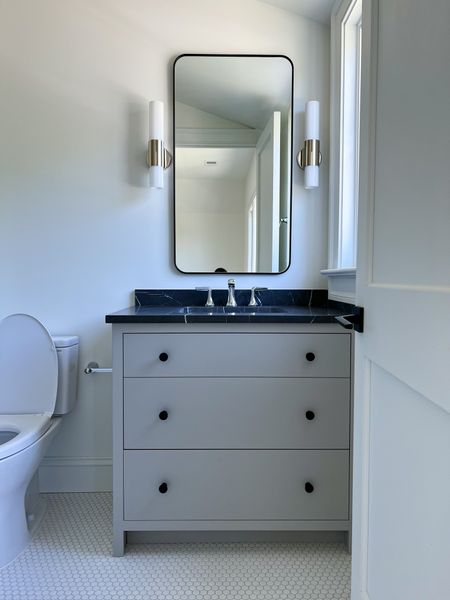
(401, 497)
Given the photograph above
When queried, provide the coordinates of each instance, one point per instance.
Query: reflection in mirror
(233, 148)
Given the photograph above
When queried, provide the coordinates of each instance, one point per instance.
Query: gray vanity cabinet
(231, 427)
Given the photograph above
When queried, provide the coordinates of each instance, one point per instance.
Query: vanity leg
(119, 543)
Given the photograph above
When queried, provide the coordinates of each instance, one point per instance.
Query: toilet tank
(67, 349)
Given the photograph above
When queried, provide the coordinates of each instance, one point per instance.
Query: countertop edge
(192, 319)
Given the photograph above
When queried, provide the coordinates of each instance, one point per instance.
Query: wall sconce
(158, 157)
(309, 158)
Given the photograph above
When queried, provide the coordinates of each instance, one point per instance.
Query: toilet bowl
(37, 382)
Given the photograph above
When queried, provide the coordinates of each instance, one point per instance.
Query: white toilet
(38, 377)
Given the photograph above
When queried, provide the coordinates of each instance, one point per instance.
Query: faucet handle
(253, 301)
(209, 300)
(231, 298)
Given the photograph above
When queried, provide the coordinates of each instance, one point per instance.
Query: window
(350, 95)
(346, 37)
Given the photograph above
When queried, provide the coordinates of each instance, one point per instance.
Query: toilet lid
(28, 367)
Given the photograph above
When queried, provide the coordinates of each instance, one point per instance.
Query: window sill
(341, 284)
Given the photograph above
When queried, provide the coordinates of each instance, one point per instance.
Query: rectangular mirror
(233, 148)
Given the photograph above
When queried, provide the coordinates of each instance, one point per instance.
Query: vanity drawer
(236, 355)
(236, 413)
(235, 484)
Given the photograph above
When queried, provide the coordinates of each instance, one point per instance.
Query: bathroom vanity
(230, 421)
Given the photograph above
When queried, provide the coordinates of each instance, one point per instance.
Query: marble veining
(190, 297)
(274, 306)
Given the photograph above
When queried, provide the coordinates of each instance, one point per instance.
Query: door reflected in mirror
(233, 149)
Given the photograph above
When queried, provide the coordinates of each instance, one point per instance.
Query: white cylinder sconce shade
(309, 158)
(156, 132)
(312, 110)
(156, 120)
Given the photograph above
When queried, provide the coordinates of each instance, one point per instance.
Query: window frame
(341, 275)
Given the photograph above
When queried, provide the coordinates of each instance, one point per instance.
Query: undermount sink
(254, 309)
(202, 310)
(214, 310)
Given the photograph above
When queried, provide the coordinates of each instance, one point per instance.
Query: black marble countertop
(187, 306)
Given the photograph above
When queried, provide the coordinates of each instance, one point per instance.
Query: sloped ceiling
(245, 90)
(318, 10)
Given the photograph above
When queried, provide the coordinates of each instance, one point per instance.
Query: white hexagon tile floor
(70, 559)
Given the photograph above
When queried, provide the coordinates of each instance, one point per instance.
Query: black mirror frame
(290, 174)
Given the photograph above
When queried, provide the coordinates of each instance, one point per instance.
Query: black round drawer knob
(163, 488)
(163, 356)
(310, 415)
(309, 488)
(310, 356)
(163, 415)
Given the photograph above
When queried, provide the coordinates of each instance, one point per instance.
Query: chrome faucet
(231, 299)
(253, 300)
(209, 300)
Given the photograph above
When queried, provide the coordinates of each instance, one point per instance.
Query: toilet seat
(28, 381)
(29, 429)
(28, 367)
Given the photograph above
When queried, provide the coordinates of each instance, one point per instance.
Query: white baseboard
(75, 474)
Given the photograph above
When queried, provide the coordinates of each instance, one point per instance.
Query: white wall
(79, 228)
